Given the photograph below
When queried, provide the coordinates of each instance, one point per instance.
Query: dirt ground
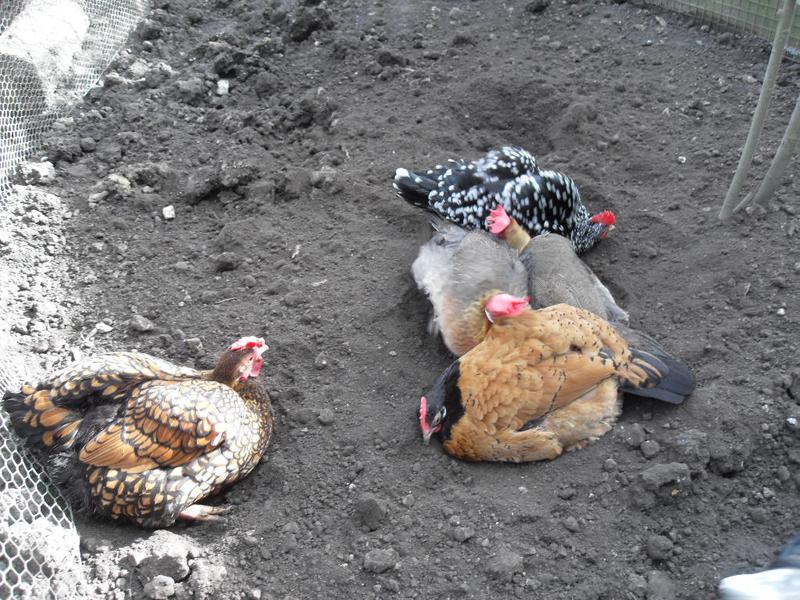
(286, 226)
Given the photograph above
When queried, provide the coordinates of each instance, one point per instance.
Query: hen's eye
(443, 413)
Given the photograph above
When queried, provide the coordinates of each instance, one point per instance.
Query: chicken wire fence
(39, 546)
(51, 53)
(759, 17)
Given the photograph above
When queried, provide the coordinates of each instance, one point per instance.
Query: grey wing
(557, 275)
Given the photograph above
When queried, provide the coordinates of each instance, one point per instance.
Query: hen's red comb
(248, 342)
(423, 417)
(605, 218)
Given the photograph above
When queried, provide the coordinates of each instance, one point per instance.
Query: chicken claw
(202, 512)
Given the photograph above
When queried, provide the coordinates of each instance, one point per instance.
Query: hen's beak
(426, 436)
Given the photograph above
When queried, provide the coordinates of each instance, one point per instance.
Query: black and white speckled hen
(136, 438)
(465, 193)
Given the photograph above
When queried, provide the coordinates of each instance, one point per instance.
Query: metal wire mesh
(759, 17)
(39, 546)
(51, 53)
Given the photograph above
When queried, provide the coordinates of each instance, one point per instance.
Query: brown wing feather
(110, 375)
(166, 424)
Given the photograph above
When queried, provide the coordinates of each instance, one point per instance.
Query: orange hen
(541, 382)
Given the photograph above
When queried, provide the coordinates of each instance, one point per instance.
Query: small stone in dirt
(660, 586)
(370, 512)
(295, 298)
(141, 324)
(663, 474)
(191, 91)
(793, 384)
(37, 172)
(109, 152)
(388, 58)
(324, 177)
(320, 362)
(266, 83)
(380, 561)
(566, 493)
(409, 500)
(637, 584)
(463, 533)
(194, 16)
(135, 557)
(462, 39)
(304, 415)
(291, 528)
(610, 465)
(182, 592)
(167, 554)
(659, 547)
(571, 524)
(194, 346)
(537, 6)
(45, 308)
(148, 29)
(326, 416)
(102, 327)
(41, 347)
(5, 237)
(650, 448)
(207, 579)
(504, 565)
(729, 459)
(635, 435)
(95, 545)
(160, 587)
(168, 212)
(226, 261)
(692, 447)
(297, 185)
(249, 281)
(118, 186)
(308, 20)
(758, 514)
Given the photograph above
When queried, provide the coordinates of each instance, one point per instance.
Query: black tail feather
(668, 379)
(414, 187)
(40, 423)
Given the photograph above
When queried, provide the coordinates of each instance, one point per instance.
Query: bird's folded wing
(521, 373)
(165, 424)
(567, 377)
(107, 376)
